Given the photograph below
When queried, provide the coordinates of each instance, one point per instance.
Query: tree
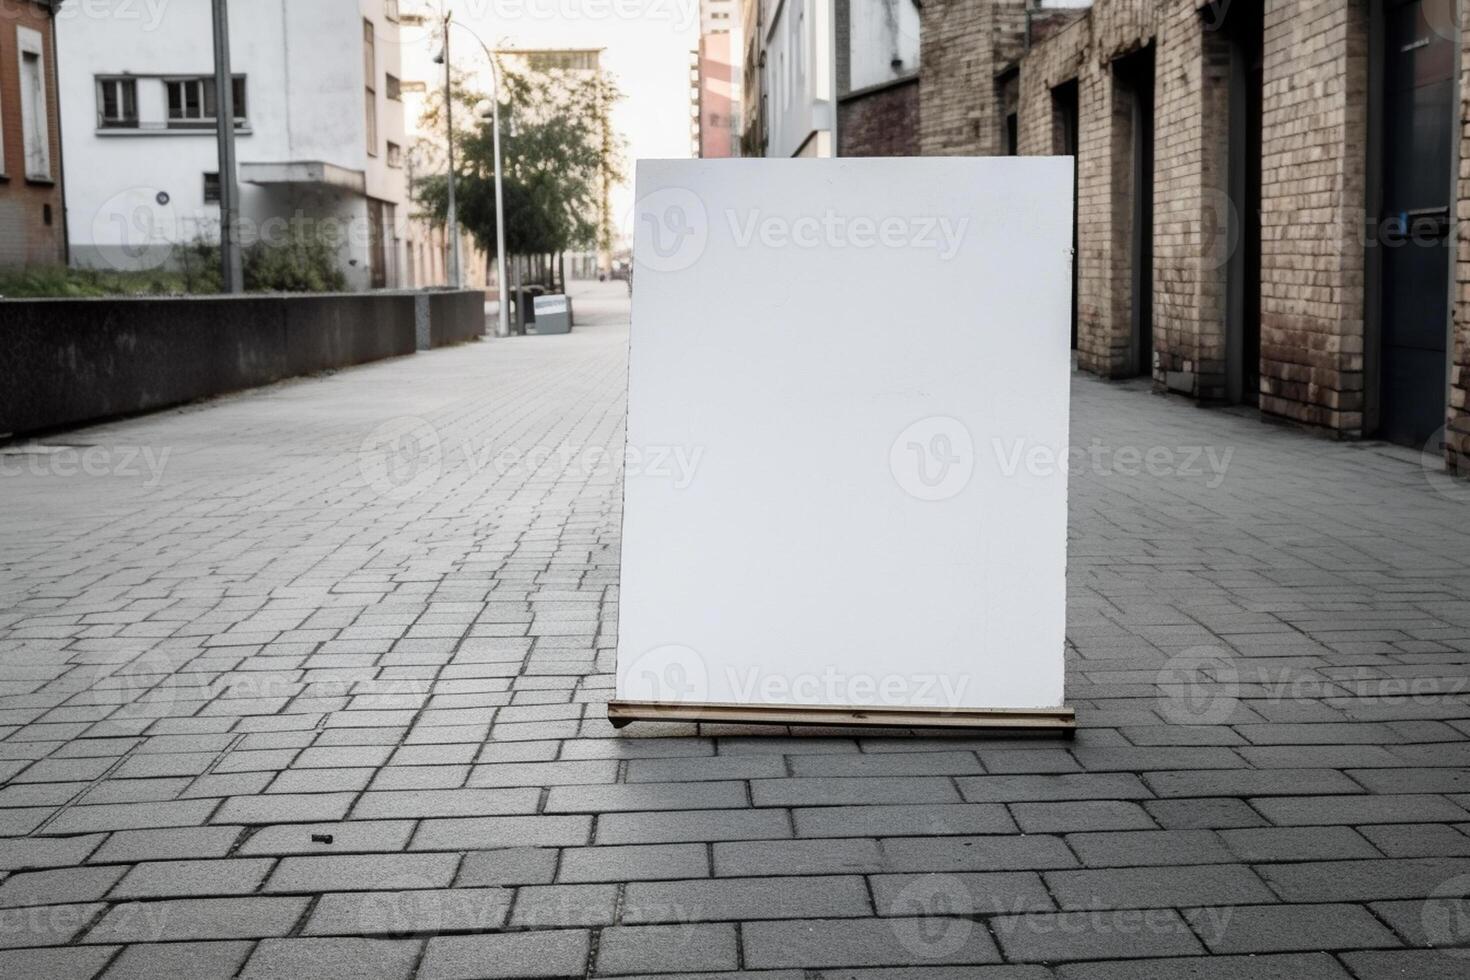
(559, 153)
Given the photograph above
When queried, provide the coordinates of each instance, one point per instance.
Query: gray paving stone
(725, 899)
(198, 918)
(1150, 847)
(47, 852)
(64, 963)
(819, 791)
(816, 944)
(1251, 782)
(1064, 786)
(1288, 928)
(331, 872)
(692, 825)
(509, 866)
(1417, 840)
(196, 961)
(128, 816)
(963, 893)
(797, 857)
(1420, 964)
(644, 796)
(552, 953)
(472, 833)
(175, 843)
(1081, 815)
(284, 808)
(1294, 966)
(633, 862)
(1052, 937)
(1297, 844)
(57, 886)
(332, 959)
(347, 836)
(1361, 881)
(1141, 888)
(667, 949)
(49, 925)
(421, 912)
(551, 906)
(1299, 811)
(919, 820)
(174, 879)
(976, 853)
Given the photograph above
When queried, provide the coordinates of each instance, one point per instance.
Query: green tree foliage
(560, 159)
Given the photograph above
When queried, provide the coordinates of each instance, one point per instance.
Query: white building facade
(799, 78)
(319, 123)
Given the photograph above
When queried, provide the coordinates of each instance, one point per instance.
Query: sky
(646, 42)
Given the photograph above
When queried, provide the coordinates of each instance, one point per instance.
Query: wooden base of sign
(1051, 720)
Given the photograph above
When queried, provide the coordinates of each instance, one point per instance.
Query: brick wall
(882, 121)
(26, 238)
(965, 44)
(1457, 448)
(1312, 205)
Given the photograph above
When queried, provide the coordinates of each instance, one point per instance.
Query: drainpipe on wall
(60, 136)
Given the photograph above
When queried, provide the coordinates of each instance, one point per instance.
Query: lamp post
(232, 279)
(452, 215)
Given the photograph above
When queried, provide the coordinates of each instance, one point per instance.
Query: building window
(393, 88)
(395, 154)
(34, 119)
(192, 105)
(117, 103)
(370, 76)
(211, 189)
(390, 10)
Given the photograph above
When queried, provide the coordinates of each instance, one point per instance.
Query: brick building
(32, 211)
(1266, 191)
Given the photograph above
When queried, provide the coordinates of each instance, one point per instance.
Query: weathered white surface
(847, 433)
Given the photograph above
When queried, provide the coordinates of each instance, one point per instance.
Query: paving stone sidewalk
(308, 682)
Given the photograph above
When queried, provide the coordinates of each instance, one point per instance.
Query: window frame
(35, 156)
(127, 84)
(208, 102)
(370, 85)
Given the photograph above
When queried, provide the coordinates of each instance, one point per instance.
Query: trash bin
(552, 314)
(525, 310)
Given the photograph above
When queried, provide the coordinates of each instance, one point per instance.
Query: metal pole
(231, 265)
(453, 221)
(502, 327)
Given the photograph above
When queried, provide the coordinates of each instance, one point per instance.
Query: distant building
(714, 83)
(318, 116)
(32, 210)
(830, 78)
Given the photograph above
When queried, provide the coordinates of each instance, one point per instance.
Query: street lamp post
(502, 327)
(232, 272)
(452, 216)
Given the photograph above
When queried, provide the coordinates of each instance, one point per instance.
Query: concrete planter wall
(73, 361)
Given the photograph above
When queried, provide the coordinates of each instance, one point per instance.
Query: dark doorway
(1417, 125)
(1066, 118)
(1136, 73)
(1245, 26)
(377, 255)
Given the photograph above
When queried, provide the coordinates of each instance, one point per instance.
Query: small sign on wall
(846, 493)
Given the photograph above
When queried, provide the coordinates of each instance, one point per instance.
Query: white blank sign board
(847, 432)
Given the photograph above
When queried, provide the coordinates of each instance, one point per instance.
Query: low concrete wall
(73, 361)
